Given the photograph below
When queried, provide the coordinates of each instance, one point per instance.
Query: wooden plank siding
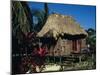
(65, 47)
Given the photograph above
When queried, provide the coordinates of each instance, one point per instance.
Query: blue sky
(85, 15)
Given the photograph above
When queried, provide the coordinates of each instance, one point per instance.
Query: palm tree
(21, 25)
(21, 17)
(41, 16)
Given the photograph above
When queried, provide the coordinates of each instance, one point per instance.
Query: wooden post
(60, 59)
(61, 50)
(47, 59)
(80, 59)
(54, 59)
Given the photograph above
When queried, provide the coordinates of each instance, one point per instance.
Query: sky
(85, 15)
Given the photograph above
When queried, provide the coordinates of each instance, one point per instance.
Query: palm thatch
(59, 25)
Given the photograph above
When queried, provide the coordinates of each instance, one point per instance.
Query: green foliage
(91, 39)
(21, 17)
(21, 23)
(41, 16)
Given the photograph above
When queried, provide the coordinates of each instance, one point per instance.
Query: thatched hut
(62, 35)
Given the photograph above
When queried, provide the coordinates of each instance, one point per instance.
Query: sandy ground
(53, 67)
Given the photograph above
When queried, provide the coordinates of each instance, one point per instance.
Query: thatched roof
(59, 25)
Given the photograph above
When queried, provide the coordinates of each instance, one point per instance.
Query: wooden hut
(62, 35)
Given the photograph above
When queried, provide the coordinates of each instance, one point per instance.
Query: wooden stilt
(80, 59)
(54, 59)
(60, 59)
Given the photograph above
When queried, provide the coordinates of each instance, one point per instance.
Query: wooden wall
(65, 47)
